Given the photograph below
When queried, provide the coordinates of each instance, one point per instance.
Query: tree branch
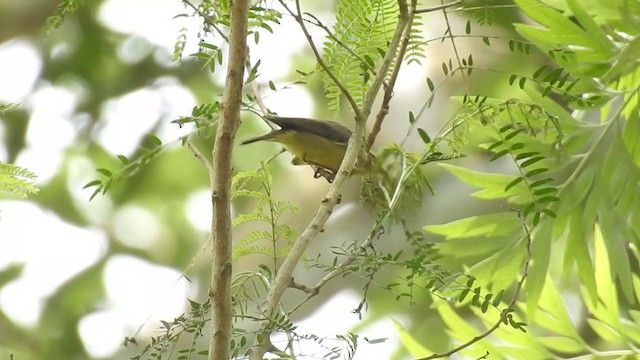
(356, 142)
(319, 24)
(201, 157)
(208, 19)
(220, 292)
(388, 93)
(323, 65)
(403, 20)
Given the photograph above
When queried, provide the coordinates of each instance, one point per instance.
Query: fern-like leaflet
(267, 213)
(365, 27)
(16, 180)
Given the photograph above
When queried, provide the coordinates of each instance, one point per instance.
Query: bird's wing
(327, 129)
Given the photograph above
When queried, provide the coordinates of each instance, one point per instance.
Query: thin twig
(453, 44)
(221, 267)
(388, 93)
(342, 267)
(403, 21)
(321, 62)
(208, 19)
(319, 24)
(200, 156)
(375, 232)
(255, 89)
(439, 7)
(510, 307)
(354, 147)
(301, 287)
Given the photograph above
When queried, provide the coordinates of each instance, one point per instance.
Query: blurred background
(78, 276)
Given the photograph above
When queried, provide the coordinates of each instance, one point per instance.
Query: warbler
(313, 142)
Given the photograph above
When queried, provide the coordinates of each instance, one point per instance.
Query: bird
(320, 143)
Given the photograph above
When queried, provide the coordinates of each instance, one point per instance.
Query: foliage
(537, 136)
(128, 169)
(596, 195)
(202, 116)
(267, 211)
(396, 180)
(7, 107)
(188, 325)
(556, 144)
(16, 180)
(360, 35)
(65, 8)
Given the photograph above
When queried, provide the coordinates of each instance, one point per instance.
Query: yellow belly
(313, 149)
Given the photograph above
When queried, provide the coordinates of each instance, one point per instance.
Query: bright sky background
(137, 290)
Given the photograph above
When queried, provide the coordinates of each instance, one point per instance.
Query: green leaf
(412, 345)
(104, 172)
(154, 139)
(463, 295)
(529, 209)
(562, 344)
(536, 219)
(550, 212)
(412, 118)
(554, 316)
(531, 161)
(606, 309)
(123, 159)
(495, 145)
(482, 225)
(499, 154)
(540, 250)
(498, 299)
(615, 243)
(485, 305)
(430, 84)
(625, 62)
(540, 182)
(608, 334)
(512, 134)
(493, 185)
(522, 82)
(515, 182)
(538, 72)
(545, 191)
(92, 183)
(462, 330)
(561, 29)
(506, 127)
(424, 136)
(535, 172)
(598, 38)
(525, 155)
(577, 249)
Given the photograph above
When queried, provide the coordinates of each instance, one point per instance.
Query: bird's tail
(266, 137)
